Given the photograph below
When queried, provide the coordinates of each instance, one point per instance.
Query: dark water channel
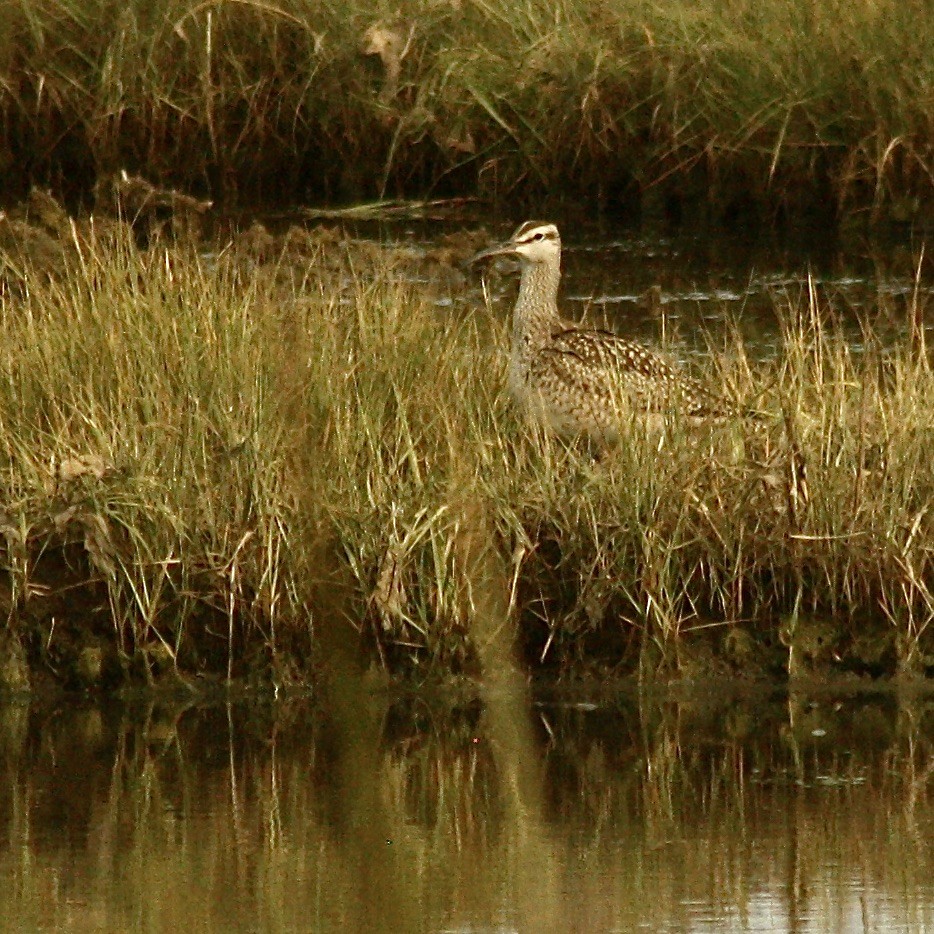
(704, 810)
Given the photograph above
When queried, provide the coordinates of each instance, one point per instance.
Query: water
(700, 811)
(704, 285)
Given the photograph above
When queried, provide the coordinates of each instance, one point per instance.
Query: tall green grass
(735, 108)
(208, 462)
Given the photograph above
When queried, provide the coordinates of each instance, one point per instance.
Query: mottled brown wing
(614, 365)
(571, 373)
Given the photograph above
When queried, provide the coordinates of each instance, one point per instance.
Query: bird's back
(593, 381)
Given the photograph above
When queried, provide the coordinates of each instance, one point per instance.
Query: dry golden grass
(769, 108)
(198, 448)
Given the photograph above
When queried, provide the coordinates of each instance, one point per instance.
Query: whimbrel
(583, 381)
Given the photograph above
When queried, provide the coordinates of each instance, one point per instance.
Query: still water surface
(706, 810)
(692, 290)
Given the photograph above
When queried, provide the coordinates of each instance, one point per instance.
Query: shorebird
(582, 381)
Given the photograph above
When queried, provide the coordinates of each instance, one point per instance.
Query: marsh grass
(728, 109)
(200, 450)
(144, 368)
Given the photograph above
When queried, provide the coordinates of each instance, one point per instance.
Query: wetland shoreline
(244, 460)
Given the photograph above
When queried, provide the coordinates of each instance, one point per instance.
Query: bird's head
(533, 242)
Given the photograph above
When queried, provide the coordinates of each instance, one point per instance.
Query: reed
(775, 109)
(208, 461)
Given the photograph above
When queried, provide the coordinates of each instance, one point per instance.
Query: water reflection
(700, 812)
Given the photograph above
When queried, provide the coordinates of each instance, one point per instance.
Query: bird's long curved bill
(499, 249)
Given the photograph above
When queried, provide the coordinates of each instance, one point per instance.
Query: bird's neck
(536, 312)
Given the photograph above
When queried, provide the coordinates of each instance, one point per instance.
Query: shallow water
(707, 810)
(706, 284)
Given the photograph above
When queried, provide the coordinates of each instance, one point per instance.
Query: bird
(583, 381)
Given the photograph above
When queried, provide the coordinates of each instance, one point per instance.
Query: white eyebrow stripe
(549, 233)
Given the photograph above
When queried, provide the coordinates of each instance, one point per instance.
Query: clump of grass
(198, 448)
(743, 108)
(639, 554)
(140, 452)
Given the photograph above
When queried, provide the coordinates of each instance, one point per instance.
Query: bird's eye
(539, 236)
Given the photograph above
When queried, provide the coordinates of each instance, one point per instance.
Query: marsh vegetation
(213, 460)
(769, 110)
